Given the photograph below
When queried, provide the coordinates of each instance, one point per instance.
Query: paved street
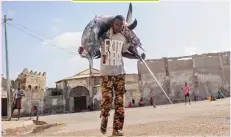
(199, 118)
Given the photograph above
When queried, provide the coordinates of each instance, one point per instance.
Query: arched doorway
(80, 97)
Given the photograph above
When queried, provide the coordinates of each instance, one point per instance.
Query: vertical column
(65, 90)
(195, 78)
(167, 78)
(224, 81)
(139, 75)
(166, 66)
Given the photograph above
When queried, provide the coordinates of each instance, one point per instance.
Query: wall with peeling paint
(205, 74)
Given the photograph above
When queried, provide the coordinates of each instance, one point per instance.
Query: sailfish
(90, 43)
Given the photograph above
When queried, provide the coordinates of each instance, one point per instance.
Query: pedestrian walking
(114, 46)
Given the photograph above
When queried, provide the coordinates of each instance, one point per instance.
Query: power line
(39, 38)
(33, 30)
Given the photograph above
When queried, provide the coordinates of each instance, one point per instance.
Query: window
(29, 87)
(56, 92)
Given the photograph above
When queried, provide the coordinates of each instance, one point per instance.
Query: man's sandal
(103, 127)
(117, 133)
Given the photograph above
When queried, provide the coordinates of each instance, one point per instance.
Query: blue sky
(165, 29)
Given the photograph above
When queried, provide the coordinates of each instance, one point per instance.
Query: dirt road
(204, 118)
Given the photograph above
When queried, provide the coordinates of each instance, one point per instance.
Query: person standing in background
(17, 102)
(133, 102)
(186, 92)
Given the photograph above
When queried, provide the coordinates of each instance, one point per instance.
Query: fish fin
(133, 25)
(129, 14)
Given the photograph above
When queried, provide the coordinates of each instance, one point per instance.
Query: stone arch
(29, 87)
(79, 98)
(79, 91)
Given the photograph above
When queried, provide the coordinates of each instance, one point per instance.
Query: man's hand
(98, 54)
(143, 56)
(80, 50)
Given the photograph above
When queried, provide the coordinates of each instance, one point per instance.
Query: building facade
(205, 74)
(82, 90)
(33, 84)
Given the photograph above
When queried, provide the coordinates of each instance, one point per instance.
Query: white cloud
(76, 64)
(53, 28)
(67, 40)
(57, 20)
(56, 24)
(190, 50)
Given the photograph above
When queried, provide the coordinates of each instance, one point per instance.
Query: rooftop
(83, 74)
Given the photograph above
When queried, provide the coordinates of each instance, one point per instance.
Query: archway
(80, 97)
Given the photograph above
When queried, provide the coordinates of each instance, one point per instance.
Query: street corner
(42, 127)
(16, 124)
(16, 128)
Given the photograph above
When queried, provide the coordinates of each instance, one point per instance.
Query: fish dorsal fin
(129, 14)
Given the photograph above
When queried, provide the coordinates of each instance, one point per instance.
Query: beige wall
(34, 79)
(132, 87)
(211, 71)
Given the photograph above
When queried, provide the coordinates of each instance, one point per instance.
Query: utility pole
(9, 95)
(89, 80)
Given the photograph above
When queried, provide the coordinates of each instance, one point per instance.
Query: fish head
(130, 26)
(136, 44)
(132, 37)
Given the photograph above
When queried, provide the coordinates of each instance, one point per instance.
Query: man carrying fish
(111, 38)
(115, 44)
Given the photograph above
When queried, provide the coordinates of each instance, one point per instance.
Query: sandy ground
(204, 118)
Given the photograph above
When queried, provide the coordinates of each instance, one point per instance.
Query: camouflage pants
(108, 85)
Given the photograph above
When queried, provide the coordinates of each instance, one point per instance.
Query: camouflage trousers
(109, 84)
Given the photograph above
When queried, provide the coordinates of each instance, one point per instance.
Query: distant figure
(141, 103)
(219, 95)
(34, 110)
(17, 102)
(151, 101)
(211, 98)
(194, 97)
(186, 92)
(130, 104)
(133, 102)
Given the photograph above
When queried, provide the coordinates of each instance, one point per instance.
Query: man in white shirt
(17, 102)
(114, 46)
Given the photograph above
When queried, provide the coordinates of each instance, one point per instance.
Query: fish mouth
(84, 53)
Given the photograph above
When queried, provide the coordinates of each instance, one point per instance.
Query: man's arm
(129, 55)
(23, 93)
(132, 53)
(14, 98)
